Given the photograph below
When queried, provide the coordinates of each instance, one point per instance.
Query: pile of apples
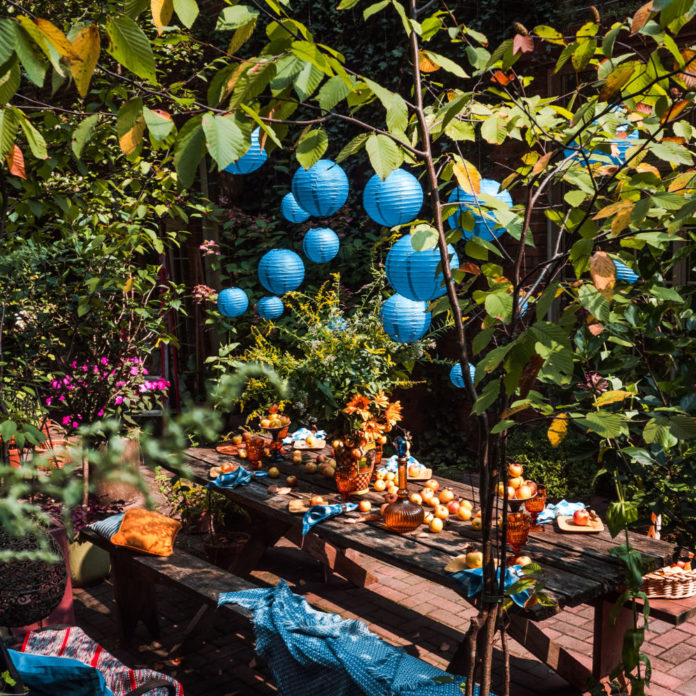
(274, 420)
(517, 488)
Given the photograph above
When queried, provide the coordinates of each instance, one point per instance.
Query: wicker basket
(669, 584)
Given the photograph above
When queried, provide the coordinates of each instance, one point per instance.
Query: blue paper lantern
(320, 244)
(322, 189)
(270, 307)
(404, 320)
(485, 225)
(619, 147)
(623, 272)
(292, 211)
(280, 271)
(413, 273)
(232, 302)
(456, 376)
(251, 160)
(394, 201)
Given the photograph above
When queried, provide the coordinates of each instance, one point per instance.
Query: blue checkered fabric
(239, 477)
(319, 513)
(311, 652)
(471, 579)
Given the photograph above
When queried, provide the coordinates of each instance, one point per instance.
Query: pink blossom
(66, 420)
(49, 400)
(75, 424)
(104, 361)
(100, 412)
(118, 400)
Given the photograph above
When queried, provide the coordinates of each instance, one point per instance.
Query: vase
(403, 515)
(354, 467)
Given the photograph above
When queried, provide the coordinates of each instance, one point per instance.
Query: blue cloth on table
(392, 464)
(302, 433)
(471, 579)
(549, 513)
(239, 477)
(311, 652)
(319, 513)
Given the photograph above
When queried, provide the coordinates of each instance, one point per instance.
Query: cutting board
(565, 524)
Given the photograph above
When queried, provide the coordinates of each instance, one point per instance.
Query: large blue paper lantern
(394, 201)
(270, 307)
(485, 225)
(322, 189)
(404, 320)
(292, 211)
(320, 244)
(623, 272)
(619, 147)
(232, 302)
(456, 376)
(280, 271)
(413, 273)
(249, 162)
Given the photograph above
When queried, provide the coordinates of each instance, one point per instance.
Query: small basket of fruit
(676, 581)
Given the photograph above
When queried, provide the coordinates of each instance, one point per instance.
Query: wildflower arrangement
(372, 417)
(92, 390)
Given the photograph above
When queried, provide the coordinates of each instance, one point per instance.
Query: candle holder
(535, 506)
(403, 515)
(517, 532)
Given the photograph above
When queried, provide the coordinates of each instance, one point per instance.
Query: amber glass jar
(403, 515)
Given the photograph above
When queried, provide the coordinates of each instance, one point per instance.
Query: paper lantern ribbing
(394, 201)
(232, 302)
(322, 189)
(405, 320)
(413, 273)
(619, 147)
(485, 225)
(456, 376)
(623, 272)
(292, 211)
(320, 244)
(280, 271)
(270, 307)
(251, 160)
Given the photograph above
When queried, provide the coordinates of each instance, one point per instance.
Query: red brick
(670, 638)
(666, 680)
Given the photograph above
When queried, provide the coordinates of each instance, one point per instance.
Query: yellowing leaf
(645, 168)
(55, 36)
(622, 218)
(514, 409)
(609, 210)
(603, 272)
(641, 17)
(688, 77)
(15, 162)
(128, 286)
(86, 48)
(468, 177)
(674, 110)
(558, 430)
(683, 181)
(541, 163)
(612, 397)
(162, 11)
(426, 63)
(616, 79)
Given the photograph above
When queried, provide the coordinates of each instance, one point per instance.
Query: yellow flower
(381, 400)
(372, 430)
(392, 414)
(359, 404)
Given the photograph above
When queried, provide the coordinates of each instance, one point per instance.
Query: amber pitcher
(403, 515)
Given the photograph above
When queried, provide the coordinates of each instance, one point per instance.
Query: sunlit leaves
(86, 48)
(130, 125)
(186, 11)
(224, 139)
(234, 17)
(603, 272)
(9, 80)
(8, 130)
(641, 16)
(616, 79)
(311, 146)
(159, 123)
(385, 155)
(333, 91)
(189, 150)
(558, 430)
(672, 153)
(549, 34)
(162, 12)
(352, 146)
(83, 134)
(130, 47)
(468, 177)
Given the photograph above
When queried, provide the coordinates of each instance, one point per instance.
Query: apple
(515, 482)
(257, 466)
(581, 518)
(381, 474)
(428, 518)
(446, 494)
(317, 500)
(414, 470)
(390, 476)
(337, 444)
(474, 559)
(226, 467)
(436, 525)
(310, 467)
(522, 560)
(321, 458)
(265, 423)
(391, 497)
(356, 453)
(453, 507)
(515, 470)
(427, 494)
(393, 489)
(464, 513)
(297, 457)
(365, 506)
(291, 481)
(441, 512)
(380, 485)
(532, 485)
(466, 503)
(500, 489)
(524, 492)
(237, 440)
(416, 498)
(311, 440)
(247, 436)
(476, 523)
(242, 454)
(432, 483)
(478, 513)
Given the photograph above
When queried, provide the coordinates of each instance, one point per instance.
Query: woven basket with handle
(670, 583)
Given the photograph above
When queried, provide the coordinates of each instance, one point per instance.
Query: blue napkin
(239, 477)
(302, 433)
(392, 464)
(319, 513)
(471, 579)
(561, 508)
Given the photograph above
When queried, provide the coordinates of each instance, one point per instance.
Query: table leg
(608, 639)
(264, 535)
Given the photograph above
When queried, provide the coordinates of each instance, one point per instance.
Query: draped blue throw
(319, 513)
(239, 477)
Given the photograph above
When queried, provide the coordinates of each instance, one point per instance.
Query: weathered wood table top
(578, 568)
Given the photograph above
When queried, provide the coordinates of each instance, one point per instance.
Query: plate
(302, 445)
(424, 475)
(565, 524)
(228, 449)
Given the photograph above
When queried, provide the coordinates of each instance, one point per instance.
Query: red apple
(464, 513)
(291, 480)
(446, 494)
(441, 512)
(365, 506)
(515, 482)
(523, 560)
(515, 470)
(524, 492)
(237, 440)
(391, 497)
(453, 506)
(581, 518)
(532, 485)
(432, 483)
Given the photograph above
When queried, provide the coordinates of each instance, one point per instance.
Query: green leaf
(186, 11)
(672, 153)
(135, 7)
(397, 114)
(592, 300)
(130, 125)
(8, 39)
(8, 429)
(545, 301)
(311, 147)
(385, 155)
(159, 126)
(8, 130)
(353, 146)
(502, 426)
(241, 36)
(9, 81)
(83, 134)
(446, 64)
(657, 431)
(610, 38)
(36, 141)
(347, 4)
(482, 339)
(333, 91)
(630, 651)
(307, 80)
(499, 305)
(234, 17)
(683, 427)
(583, 54)
(424, 237)
(620, 515)
(224, 139)
(603, 423)
(494, 130)
(189, 150)
(30, 56)
(374, 9)
(666, 294)
(129, 46)
(488, 396)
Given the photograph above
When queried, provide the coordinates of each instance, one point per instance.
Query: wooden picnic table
(578, 568)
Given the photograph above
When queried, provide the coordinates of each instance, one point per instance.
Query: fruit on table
(291, 481)
(453, 507)
(464, 513)
(515, 470)
(392, 489)
(297, 457)
(311, 467)
(317, 500)
(477, 523)
(242, 454)
(391, 497)
(436, 525)
(237, 440)
(581, 518)
(311, 441)
(381, 475)
(474, 559)
(524, 492)
(522, 560)
(414, 470)
(390, 476)
(246, 436)
(532, 485)
(446, 494)
(432, 483)
(274, 472)
(321, 458)
(427, 494)
(365, 506)
(416, 498)
(428, 518)
(265, 423)
(226, 467)
(515, 482)
(380, 485)
(466, 503)
(441, 512)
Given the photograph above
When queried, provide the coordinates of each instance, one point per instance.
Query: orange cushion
(143, 530)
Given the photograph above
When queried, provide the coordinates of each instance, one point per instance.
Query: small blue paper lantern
(251, 160)
(623, 272)
(456, 376)
(291, 209)
(485, 226)
(394, 201)
(404, 320)
(413, 273)
(320, 244)
(232, 302)
(270, 307)
(620, 144)
(280, 271)
(322, 189)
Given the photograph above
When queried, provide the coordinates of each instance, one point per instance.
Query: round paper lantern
(232, 302)
(485, 225)
(619, 147)
(291, 209)
(456, 376)
(270, 307)
(413, 273)
(405, 320)
(394, 201)
(623, 272)
(320, 244)
(280, 271)
(251, 160)
(322, 189)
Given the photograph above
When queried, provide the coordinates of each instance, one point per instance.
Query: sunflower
(381, 400)
(359, 404)
(392, 414)
(372, 429)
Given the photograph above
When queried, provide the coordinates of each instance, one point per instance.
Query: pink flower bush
(210, 248)
(202, 293)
